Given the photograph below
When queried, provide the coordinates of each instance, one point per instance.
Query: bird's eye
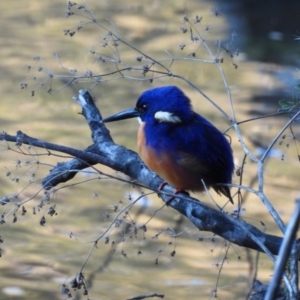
(142, 108)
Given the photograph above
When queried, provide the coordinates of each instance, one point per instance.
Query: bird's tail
(225, 190)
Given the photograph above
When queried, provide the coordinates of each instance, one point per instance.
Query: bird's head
(166, 104)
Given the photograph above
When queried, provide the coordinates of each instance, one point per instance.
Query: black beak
(126, 114)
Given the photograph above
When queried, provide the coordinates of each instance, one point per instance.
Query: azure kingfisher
(178, 144)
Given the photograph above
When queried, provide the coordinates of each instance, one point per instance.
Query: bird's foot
(175, 193)
(162, 185)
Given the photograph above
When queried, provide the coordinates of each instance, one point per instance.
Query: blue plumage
(179, 144)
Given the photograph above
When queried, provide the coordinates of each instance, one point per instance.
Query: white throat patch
(166, 117)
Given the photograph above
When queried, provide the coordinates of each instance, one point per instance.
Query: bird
(181, 146)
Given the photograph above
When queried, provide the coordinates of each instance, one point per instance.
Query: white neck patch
(166, 117)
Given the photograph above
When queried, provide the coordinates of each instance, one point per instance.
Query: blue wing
(197, 146)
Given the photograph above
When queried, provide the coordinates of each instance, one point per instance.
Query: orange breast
(166, 166)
